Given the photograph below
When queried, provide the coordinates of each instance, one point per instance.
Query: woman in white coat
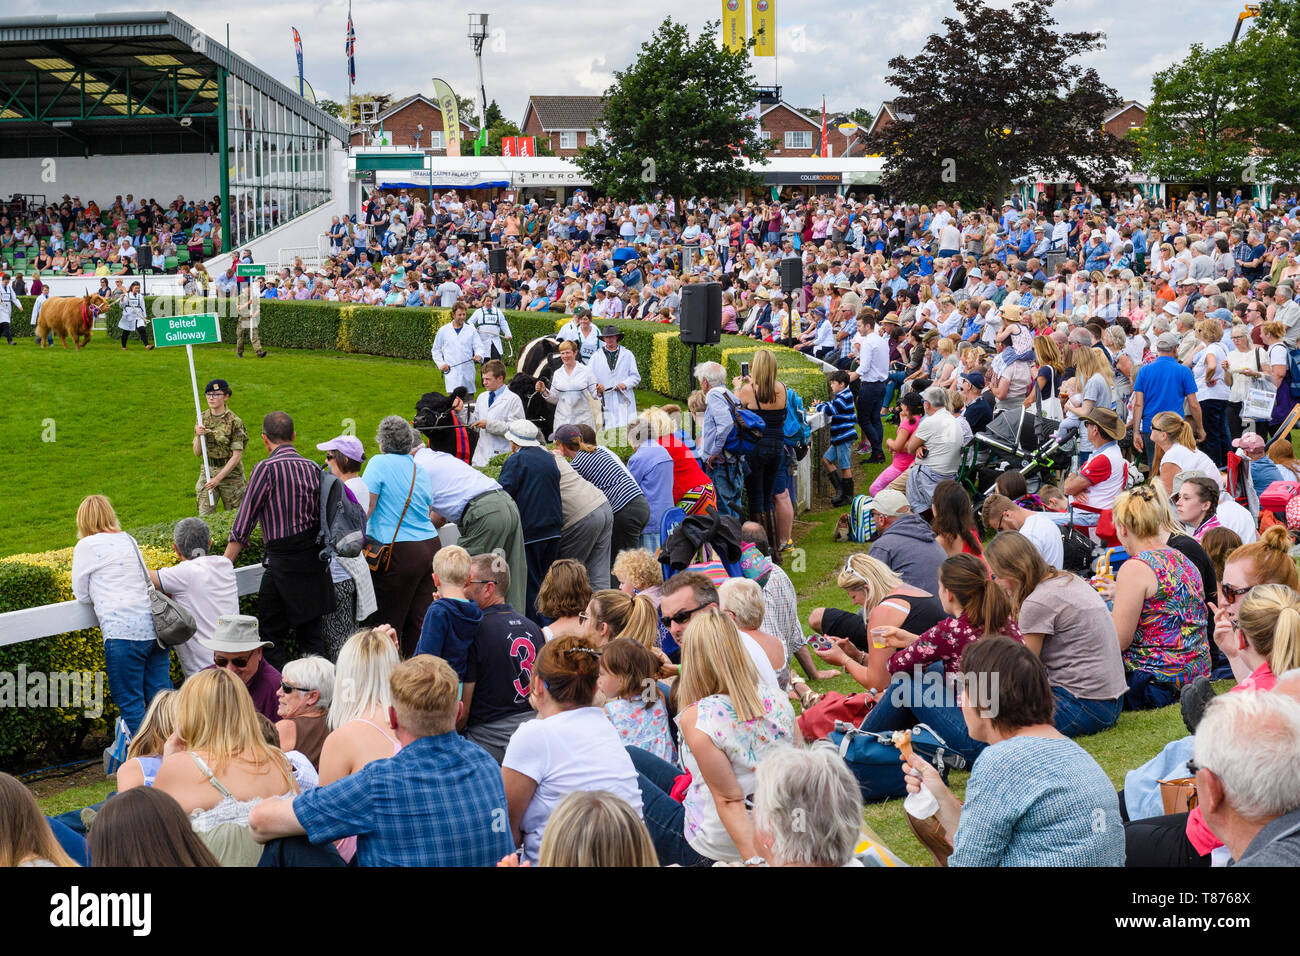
(614, 369)
(133, 316)
(572, 390)
(580, 329)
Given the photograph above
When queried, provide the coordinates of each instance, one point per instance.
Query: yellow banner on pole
(763, 24)
(450, 108)
(733, 25)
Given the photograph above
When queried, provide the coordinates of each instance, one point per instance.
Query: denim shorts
(840, 455)
(784, 476)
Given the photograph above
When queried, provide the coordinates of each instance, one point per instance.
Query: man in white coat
(492, 328)
(614, 369)
(456, 349)
(36, 312)
(8, 302)
(495, 409)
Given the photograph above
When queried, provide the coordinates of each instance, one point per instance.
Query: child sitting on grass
(452, 619)
(843, 421)
(633, 701)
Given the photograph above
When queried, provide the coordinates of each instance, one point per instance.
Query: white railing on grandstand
(33, 623)
(313, 257)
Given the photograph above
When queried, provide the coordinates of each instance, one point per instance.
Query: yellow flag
(450, 108)
(763, 23)
(733, 25)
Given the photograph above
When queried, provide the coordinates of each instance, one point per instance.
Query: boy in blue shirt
(452, 620)
(843, 423)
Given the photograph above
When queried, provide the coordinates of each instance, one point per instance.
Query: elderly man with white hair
(1248, 777)
(937, 444)
(724, 469)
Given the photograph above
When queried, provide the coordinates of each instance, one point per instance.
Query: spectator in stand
(937, 445)
(306, 689)
(1163, 386)
(1000, 514)
(432, 804)
(652, 467)
(108, 573)
(724, 468)
(1065, 623)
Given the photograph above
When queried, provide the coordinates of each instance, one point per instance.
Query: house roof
(566, 112)
(887, 107)
(1116, 112)
(817, 123)
(466, 119)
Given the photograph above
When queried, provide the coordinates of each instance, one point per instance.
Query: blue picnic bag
(874, 760)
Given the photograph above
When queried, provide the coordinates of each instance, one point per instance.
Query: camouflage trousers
(230, 492)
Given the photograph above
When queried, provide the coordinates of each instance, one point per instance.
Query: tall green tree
(674, 120)
(998, 94)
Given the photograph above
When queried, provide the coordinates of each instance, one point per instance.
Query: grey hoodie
(911, 551)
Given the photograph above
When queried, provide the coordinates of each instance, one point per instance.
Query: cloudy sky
(837, 49)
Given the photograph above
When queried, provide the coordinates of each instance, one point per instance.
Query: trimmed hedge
(31, 580)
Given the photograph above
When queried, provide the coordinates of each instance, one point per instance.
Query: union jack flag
(350, 48)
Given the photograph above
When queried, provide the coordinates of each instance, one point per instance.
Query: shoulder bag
(172, 624)
(379, 558)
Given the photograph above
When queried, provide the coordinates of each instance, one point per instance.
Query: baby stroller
(1018, 441)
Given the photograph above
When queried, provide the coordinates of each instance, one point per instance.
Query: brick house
(797, 135)
(564, 123)
(402, 119)
(884, 117)
(1120, 120)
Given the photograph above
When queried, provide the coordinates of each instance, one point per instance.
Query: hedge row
(31, 580)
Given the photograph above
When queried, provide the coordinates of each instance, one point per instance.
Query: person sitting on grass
(1035, 797)
(842, 416)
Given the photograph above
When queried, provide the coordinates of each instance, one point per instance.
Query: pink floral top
(642, 726)
(945, 642)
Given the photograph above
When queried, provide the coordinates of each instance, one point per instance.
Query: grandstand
(106, 105)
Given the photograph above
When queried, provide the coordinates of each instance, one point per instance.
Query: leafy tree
(997, 95)
(494, 115)
(335, 109)
(675, 120)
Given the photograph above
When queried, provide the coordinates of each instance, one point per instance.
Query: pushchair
(1014, 441)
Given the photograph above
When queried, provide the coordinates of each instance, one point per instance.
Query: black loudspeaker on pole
(701, 314)
(791, 275)
(497, 261)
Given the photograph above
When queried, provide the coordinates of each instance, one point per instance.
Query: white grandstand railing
(313, 257)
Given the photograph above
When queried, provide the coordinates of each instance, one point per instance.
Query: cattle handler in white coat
(495, 409)
(456, 349)
(614, 369)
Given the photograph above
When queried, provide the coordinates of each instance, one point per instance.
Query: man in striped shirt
(283, 496)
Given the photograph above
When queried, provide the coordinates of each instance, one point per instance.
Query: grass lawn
(121, 423)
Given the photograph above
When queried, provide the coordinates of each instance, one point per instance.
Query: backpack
(873, 758)
(1293, 372)
(746, 429)
(797, 431)
(862, 520)
(342, 520)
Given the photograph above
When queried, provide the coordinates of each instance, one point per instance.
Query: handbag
(1178, 795)
(1260, 398)
(381, 557)
(172, 624)
(817, 722)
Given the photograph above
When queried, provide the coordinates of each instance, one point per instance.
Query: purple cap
(567, 434)
(350, 445)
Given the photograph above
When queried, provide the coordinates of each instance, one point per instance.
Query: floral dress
(745, 745)
(642, 726)
(1170, 641)
(944, 642)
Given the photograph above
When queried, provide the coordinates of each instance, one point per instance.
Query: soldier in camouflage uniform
(226, 438)
(250, 309)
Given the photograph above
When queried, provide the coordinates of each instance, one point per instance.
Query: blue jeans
(907, 703)
(728, 482)
(893, 385)
(1147, 448)
(137, 670)
(1078, 718)
(1146, 691)
(664, 817)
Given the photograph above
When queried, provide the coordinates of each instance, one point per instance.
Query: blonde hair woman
(1047, 379)
(108, 573)
(358, 719)
(25, 835)
(1266, 639)
(144, 755)
(728, 723)
(595, 828)
(613, 613)
(765, 394)
(218, 765)
(1176, 450)
(886, 601)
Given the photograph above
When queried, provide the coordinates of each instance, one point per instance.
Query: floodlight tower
(478, 31)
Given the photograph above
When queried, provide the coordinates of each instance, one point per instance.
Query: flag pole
(347, 65)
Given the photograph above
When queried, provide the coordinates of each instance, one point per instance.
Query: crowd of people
(544, 670)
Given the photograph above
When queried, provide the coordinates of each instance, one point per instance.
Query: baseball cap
(1249, 442)
(975, 378)
(567, 434)
(1168, 342)
(350, 445)
(890, 503)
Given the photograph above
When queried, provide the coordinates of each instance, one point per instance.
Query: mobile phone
(744, 369)
(822, 643)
